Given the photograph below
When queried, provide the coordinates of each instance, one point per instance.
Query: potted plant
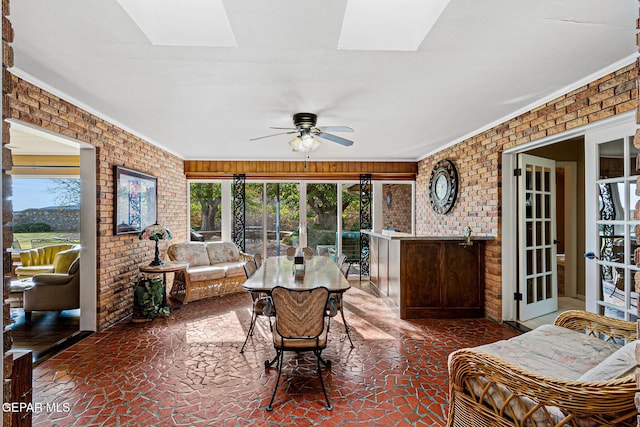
(148, 301)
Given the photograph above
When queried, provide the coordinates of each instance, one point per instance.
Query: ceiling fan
(305, 127)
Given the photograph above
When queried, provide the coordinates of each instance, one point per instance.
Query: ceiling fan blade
(275, 127)
(335, 138)
(335, 129)
(269, 136)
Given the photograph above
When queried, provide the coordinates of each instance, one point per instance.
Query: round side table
(167, 267)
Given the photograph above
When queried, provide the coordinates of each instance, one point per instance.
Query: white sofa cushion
(620, 364)
(219, 252)
(206, 272)
(553, 351)
(193, 253)
(232, 269)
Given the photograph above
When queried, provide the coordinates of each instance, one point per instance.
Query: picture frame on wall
(136, 196)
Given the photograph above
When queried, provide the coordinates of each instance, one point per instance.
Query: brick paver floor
(186, 370)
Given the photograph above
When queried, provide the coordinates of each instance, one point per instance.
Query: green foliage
(148, 294)
(32, 227)
(205, 201)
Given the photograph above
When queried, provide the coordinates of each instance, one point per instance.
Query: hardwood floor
(48, 333)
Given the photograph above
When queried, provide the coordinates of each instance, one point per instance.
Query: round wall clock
(443, 186)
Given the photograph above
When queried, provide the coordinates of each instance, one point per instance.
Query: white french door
(537, 237)
(613, 222)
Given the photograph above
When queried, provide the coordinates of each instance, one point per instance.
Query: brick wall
(478, 160)
(397, 215)
(118, 255)
(7, 232)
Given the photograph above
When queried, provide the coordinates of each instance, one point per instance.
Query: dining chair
(341, 259)
(300, 325)
(291, 251)
(258, 260)
(335, 305)
(335, 298)
(260, 303)
(307, 252)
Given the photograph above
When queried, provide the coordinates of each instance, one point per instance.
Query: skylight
(388, 24)
(182, 23)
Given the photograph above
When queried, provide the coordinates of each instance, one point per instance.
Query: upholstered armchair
(41, 260)
(54, 291)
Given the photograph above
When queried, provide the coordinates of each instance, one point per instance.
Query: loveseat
(42, 260)
(577, 372)
(215, 268)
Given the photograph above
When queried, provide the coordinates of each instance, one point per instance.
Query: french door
(537, 237)
(613, 222)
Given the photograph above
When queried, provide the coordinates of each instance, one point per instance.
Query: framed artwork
(135, 200)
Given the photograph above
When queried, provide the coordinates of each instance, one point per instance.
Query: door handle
(590, 255)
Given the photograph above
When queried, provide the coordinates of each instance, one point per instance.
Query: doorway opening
(575, 169)
(53, 180)
(568, 290)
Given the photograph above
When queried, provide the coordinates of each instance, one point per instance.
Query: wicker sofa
(577, 372)
(215, 268)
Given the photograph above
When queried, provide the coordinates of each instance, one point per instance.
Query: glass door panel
(350, 236)
(538, 273)
(322, 217)
(616, 222)
(254, 229)
(283, 217)
(206, 212)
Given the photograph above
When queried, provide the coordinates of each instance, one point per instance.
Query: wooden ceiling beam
(281, 170)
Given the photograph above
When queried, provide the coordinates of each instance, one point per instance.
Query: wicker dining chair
(300, 325)
(335, 303)
(260, 304)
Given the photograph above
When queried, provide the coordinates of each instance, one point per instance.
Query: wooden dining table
(280, 271)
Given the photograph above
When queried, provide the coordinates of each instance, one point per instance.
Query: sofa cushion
(232, 269)
(553, 351)
(222, 252)
(207, 272)
(619, 364)
(194, 253)
(63, 260)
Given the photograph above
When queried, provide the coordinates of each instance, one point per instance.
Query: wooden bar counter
(429, 276)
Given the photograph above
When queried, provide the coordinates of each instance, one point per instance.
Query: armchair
(54, 291)
(41, 260)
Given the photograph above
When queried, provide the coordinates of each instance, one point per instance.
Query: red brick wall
(118, 255)
(478, 160)
(397, 215)
(7, 232)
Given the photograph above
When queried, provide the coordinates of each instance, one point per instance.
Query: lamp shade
(305, 142)
(155, 232)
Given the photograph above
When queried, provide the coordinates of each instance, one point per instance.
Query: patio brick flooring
(187, 370)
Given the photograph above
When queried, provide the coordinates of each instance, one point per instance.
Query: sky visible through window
(33, 193)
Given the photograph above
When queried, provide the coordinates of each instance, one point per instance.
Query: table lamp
(155, 232)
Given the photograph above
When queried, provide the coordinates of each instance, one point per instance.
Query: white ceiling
(480, 62)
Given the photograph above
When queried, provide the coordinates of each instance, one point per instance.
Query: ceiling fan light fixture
(304, 143)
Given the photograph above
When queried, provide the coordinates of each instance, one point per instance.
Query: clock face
(443, 186)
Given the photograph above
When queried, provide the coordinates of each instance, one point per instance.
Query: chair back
(307, 252)
(344, 268)
(299, 313)
(341, 259)
(258, 260)
(291, 251)
(250, 268)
